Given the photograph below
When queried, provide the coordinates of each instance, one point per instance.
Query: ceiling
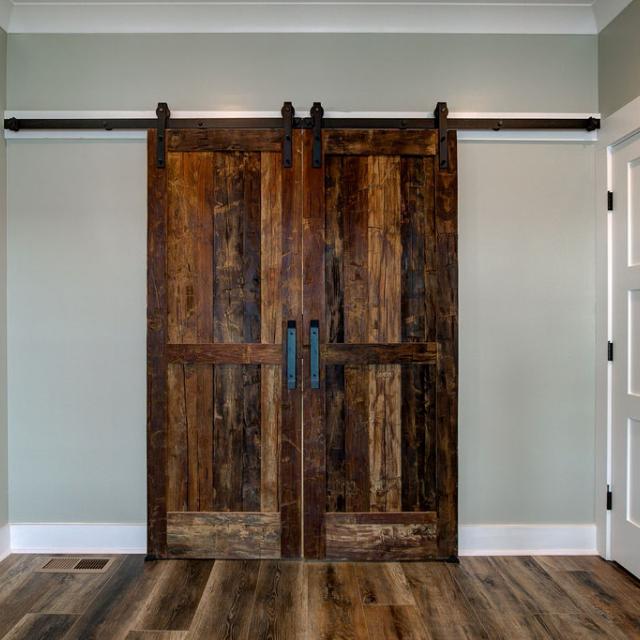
(322, 16)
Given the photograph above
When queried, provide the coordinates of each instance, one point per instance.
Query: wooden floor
(511, 598)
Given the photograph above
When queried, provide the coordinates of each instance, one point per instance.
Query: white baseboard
(78, 538)
(475, 540)
(525, 539)
(5, 541)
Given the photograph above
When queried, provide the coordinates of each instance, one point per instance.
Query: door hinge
(287, 124)
(163, 114)
(609, 498)
(316, 114)
(609, 200)
(441, 112)
(610, 351)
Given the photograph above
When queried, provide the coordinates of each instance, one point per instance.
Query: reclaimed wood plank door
(224, 278)
(380, 286)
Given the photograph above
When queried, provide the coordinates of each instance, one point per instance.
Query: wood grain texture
(418, 293)
(384, 326)
(156, 359)
(173, 600)
(291, 437)
(335, 610)
(224, 140)
(446, 199)
(383, 536)
(382, 142)
(394, 623)
(355, 216)
(226, 607)
(41, 626)
(399, 353)
(282, 599)
(383, 584)
(224, 353)
(280, 607)
(271, 328)
(314, 468)
(224, 535)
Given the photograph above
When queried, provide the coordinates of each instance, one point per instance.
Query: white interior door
(625, 318)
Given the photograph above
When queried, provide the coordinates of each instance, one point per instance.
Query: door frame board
(616, 128)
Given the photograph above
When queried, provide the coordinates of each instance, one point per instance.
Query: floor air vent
(67, 564)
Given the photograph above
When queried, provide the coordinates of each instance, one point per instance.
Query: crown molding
(605, 11)
(423, 16)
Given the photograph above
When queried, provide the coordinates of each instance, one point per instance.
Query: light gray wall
(4, 445)
(77, 326)
(77, 256)
(619, 60)
(345, 72)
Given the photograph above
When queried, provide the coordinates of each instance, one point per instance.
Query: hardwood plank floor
(515, 598)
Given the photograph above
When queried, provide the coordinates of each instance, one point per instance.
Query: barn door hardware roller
(287, 124)
(441, 113)
(163, 114)
(316, 114)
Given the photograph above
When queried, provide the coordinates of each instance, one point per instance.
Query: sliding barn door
(380, 315)
(224, 280)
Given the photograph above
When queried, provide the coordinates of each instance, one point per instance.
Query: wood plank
(280, 607)
(156, 635)
(41, 626)
(291, 437)
(224, 535)
(444, 609)
(156, 361)
(334, 318)
(533, 586)
(388, 536)
(314, 468)
(236, 465)
(335, 414)
(116, 606)
(379, 141)
(394, 623)
(173, 601)
(386, 353)
(418, 289)
(355, 215)
(220, 353)
(271, 327)
(177, 453)
(227, 603)
(334, 606)
(384, 279)
(446, 198)
(383, 584)
(224, 140)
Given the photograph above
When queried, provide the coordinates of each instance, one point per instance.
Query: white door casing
(625, 331)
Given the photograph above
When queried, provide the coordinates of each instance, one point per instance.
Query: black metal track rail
(462, 124)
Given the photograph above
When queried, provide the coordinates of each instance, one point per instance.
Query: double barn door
(302, 346)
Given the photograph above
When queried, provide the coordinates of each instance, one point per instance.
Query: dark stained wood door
(380, 277)
(224, 278)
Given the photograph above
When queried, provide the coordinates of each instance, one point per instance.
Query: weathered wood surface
(223, 535)
(446, 204)
(314, 467)
(368, 353)
(225, 222)
(557, 598)
(156, 359)
(214, 353)
(382, 142)
(224, 140)
(381, 536)
(383, 289)
(291, 288)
